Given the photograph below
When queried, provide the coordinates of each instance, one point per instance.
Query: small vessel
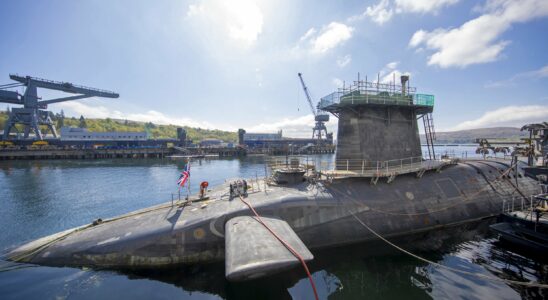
(379, 183)
(527, 228)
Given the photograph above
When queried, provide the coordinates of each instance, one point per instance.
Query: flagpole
(188, 186)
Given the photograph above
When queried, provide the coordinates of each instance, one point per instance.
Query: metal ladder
(430, 134)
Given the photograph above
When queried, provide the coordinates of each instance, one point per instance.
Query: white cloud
(507, 116)
(337, 82)
(330, 37)
(536, 74)
(88, 111)
(542, 72)
(320, 42)
(308, 34)
(195, 9)
(384, 10)
(344, 60)
(380, 13)
(390, 73)
(422, 6)
(240, 20)
(477, 41)
(392, 65)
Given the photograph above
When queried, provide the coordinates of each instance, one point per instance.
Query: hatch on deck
(253, 252)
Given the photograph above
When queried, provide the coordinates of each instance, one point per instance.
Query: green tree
(83, 123)
(60, 122)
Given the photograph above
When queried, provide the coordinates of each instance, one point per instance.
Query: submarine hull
(322, 214)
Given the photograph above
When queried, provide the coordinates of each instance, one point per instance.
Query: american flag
(184, 175)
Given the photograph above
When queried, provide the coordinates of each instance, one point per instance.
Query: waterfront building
(262, 136)
(82, 134)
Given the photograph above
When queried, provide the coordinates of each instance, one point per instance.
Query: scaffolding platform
(347, 168)
(388, 169)
(376, 94)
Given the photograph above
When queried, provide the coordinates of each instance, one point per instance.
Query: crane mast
(32, 115)
(319, 128)
(307, 94)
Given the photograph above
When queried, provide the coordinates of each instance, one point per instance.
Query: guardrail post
(363, 165)
(503, 201)
(531, 208)
(347, 165)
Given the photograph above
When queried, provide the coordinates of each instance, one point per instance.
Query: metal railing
(373, 97)
(387, 166)
(357, 167)
(289, 162)
(526, 206)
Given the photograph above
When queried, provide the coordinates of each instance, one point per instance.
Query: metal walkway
(390, 171)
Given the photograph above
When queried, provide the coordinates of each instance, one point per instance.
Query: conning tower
(378, 121)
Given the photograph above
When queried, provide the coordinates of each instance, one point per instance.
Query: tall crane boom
(307, 95)
(320, 119)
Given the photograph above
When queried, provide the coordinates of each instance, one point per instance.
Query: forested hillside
(154, 130)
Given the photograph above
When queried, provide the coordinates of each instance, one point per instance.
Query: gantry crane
(320, 118)
(32, 115)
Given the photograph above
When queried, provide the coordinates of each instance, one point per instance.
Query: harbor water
(39, 198)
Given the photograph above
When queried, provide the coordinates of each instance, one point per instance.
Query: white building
(82, 134)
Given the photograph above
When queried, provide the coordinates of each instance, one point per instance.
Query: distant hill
(469, 136)
(156, 131)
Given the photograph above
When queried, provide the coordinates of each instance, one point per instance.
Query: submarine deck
(96, 243)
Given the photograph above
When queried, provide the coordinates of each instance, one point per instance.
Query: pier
(83, 153)
(89, 153)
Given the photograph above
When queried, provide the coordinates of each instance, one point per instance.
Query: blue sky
(234, 64)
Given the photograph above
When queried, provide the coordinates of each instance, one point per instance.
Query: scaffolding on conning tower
(366, 92)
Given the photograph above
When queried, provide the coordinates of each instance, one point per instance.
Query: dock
(30, 154)
(90, 153)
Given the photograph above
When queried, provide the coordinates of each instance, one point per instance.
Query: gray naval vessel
(379, 184)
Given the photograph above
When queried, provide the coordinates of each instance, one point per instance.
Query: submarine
(380, 185)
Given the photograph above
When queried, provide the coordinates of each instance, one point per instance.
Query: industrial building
(82, 134)
(276, 143)
(262, 136)
(215, 143)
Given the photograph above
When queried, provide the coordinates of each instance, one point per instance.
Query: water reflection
(371, 270)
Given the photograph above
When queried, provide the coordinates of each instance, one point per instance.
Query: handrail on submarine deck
(364, 168)
(343, 168)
